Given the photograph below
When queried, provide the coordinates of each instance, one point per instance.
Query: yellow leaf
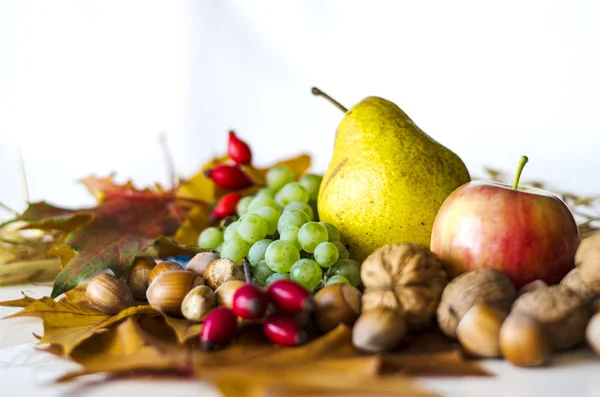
(23, 302)
(197, 220)
(299, 165)
(184, 329)
(76, 296)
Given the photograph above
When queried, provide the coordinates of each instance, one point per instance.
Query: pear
(387, 178)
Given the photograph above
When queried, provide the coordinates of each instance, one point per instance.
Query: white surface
(24, 371)
(86, 86)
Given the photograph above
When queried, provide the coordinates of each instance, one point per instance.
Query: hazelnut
(336, 304)
(138, 276)
(379, 330)
(523, 341)
(199, 262)
(574, 282)
(226, 291)
(587, 259)
(108, 294)
(532, 286)
(162, 267)
(198, 303)
(167, 292)
(480, 286)
(221, 271)
(479, 328)
(592, 333)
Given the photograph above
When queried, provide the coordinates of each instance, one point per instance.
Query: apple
(527, 233)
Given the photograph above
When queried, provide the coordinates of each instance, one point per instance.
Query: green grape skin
(312, 183)
(310, 235)
(279, 176)
(252, 228)
(219, 248)
(271, 215)
(326, 254)
(260, 202)
(281, 255)
(290, 233)
(332, 232)
(235, 250)
(276, 276)
(291, 192)
(210, 238)
(306, 272)
(257, 251)
(242, 205)
(292, 218)
(261, 272)
(231, 232)
(337, 279)
(348, 268)
(266, 192)
(298, 205)
(342, 250)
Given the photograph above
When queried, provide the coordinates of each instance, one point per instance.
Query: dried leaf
(199, 187)
(197, 220)
(76, 296)
(299, 165)
(23, 302)
(451, 363)
(184, 329)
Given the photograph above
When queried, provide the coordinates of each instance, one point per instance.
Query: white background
(87, 86)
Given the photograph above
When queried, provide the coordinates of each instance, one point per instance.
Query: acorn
(162, 267)
(108, 294)
(336, 304)
(198, 303)
(220, 271)
(479, 329)
(139, 275)
(379, 330)
(523, 341)
(200, 262)
(226, 292)
(167, 292)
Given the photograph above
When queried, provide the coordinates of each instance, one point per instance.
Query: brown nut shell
(587, 259)
(162, 267)
(200, 262)
(167, 292)
(574, 282)
(336, 304)
(225, 292)
(379, 330)
(108, 294)
(523, 341)
(221, 271)
(198, 303)
(139, 275)
(478, 331)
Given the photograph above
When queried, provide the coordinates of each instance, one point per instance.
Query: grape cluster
(278, 231)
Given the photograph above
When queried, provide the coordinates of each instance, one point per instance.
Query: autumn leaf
(197, 220)
(184, 329)
(22, 302)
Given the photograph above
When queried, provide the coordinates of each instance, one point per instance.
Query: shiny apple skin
(527, 234)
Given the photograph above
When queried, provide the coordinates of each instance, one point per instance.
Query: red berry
(219, 328)
(250, 302)
(238, 150)
(290, 297)
(282, 329)
(226, 206)
(228, 177)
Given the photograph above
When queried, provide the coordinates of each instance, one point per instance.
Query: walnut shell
(587, 259)
(560, 311)
(407, 277)
(574, 282)
(465, 291)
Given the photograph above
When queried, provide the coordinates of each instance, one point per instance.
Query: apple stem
(522, 163)
(318, 92)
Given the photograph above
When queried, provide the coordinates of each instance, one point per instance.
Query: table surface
(26, 371)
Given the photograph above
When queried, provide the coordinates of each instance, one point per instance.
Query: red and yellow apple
(526, 233)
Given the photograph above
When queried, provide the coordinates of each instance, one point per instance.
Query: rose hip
(282, 329)
(250, 302)
(228, 177)
(219, 328)
(238, 150)
(226, 206)
(290, 297)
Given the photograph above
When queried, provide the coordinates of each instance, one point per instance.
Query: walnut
(560, 311)
(479, 286)
(574, 282)
(587, 259)
(407, 277)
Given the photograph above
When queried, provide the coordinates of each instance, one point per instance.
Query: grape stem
(247, 272)
(317, 92)
(522, 163)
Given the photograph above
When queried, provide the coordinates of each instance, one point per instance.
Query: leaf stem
(317, 92)
(522, 163)
(23, 176)
(172, 174)
(8, 209)
(247, 272)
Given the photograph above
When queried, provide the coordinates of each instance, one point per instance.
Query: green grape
(231, 232)
(342, 250)
(312, 183)
(219, 248)
(277, 276)
(290, 233)
(298, 205)
(261, 272)
(257, 251)
(210, 237)
(337, 279)
(235, 250)
(292, 218)
(252, 227)
(326, 254)
(242, 205)
(278, 176)
(281, 255)
(259, 202)
(348, 268)
(271, 215)
(306, 272)
(310, 235)
(332, 232)
(266, 192)
(291, 192)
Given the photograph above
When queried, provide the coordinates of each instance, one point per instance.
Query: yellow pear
(387, 179)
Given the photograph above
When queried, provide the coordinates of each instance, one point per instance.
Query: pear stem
(522, 163)
(318, 92)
